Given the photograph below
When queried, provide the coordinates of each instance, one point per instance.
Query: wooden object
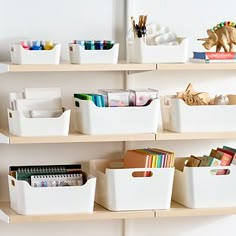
(224, 37)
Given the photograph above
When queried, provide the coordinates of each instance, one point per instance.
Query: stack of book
(224, 156)
(148, 158)
(214, 57)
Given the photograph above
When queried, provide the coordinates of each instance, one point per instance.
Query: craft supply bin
(28, 200)
(19, 55)
(197, 187)
(177, 116)
(118, 190)
(78, 55)
(20, 125)
(91, 119)
(140, 52)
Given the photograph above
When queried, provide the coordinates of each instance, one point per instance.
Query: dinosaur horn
(202, 39)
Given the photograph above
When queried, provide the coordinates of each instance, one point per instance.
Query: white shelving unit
(9, 216)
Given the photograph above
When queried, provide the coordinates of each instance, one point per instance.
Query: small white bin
(78, 55)
(20, 125)
(19, 55)
(91, 119)
(28, 200)
(197, 187)
(140, 52)
(177, 116)
(118, 190)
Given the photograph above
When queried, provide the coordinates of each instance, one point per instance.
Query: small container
(89, 45)
(99, 45)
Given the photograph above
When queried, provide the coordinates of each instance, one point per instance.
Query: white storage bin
(91, 119)
(19, 55)
(118, 190)
(197, 187)
(78, 55)
(140, 52)
(20, 125)
(28, 200)
(177, 116)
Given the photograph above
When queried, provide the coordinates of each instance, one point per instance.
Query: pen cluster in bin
(37, 44)
(95, 44)
(119, 97)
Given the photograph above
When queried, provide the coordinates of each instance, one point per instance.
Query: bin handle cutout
(142, 174)
(219, 172)
(13, 183)
(76, 103)
(10, 114)
(71, 48)
(12, 49)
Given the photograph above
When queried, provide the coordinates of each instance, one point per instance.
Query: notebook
(25, 172)
(58, 180)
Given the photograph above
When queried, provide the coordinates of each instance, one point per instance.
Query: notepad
(59, 180)
(40, 93)
(27, 105)
(25, 172)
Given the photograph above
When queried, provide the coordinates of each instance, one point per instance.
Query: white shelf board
(196, 66)
(67, 67)
(9, 216)
(178, 210)
(168, 135)
(78, 137)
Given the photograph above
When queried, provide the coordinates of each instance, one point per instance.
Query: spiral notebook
(59, 180)
(25, 172)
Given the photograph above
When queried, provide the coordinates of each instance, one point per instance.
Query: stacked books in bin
(49, 175)
(224, 156)
(211, 57)
(148, 158)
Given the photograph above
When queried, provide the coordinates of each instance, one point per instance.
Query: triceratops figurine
(222, 35)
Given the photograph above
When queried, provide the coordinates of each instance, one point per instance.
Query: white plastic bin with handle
(118, 190)
(19, 55)
(200, 187)
(28, 200)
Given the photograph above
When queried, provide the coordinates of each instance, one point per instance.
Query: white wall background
(64, 21)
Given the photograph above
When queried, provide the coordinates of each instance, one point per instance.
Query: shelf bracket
(4, 139)
(4, 217)
(127, 227)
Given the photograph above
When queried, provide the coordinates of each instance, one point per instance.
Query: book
(193, 161)
(138, 159)
(225, 160)
(25, 172)
(233, 150)
(59, 180)
(215, 55)
(170, 156)
(198, 60)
